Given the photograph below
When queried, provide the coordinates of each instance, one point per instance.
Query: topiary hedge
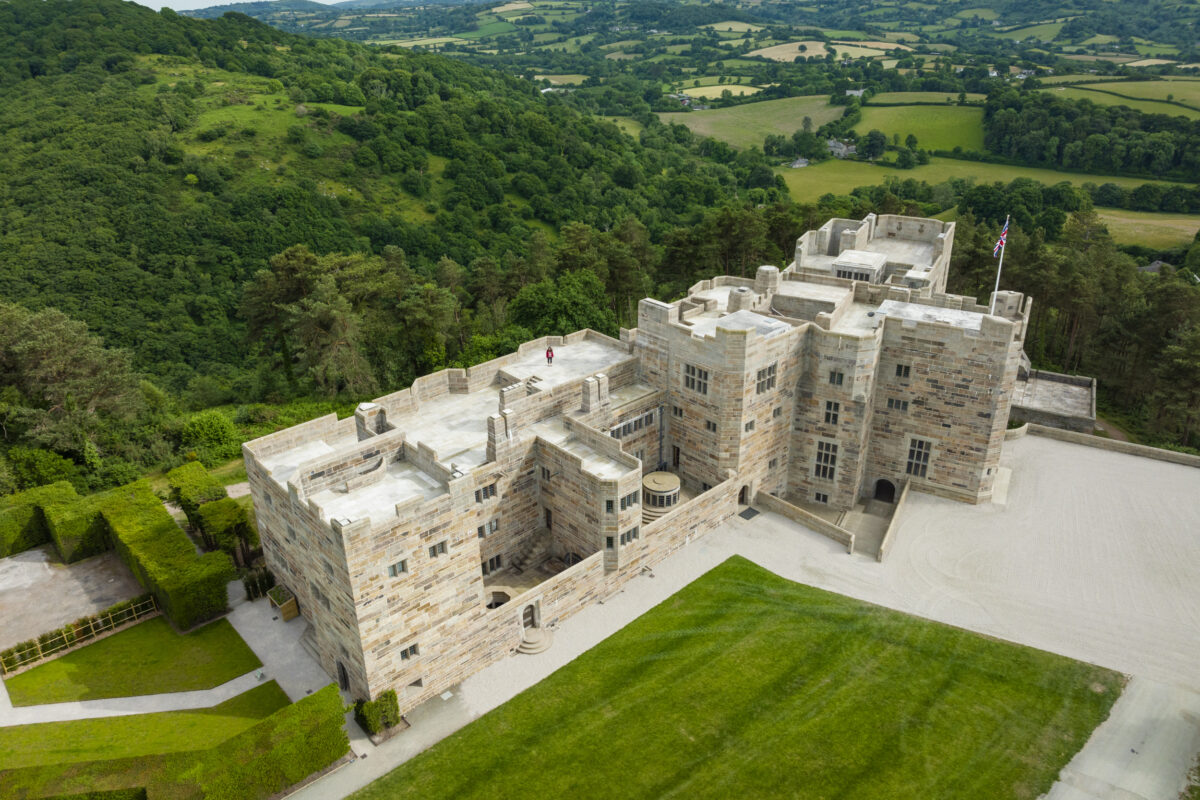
(76, 527)
(223, 523)
(192, 487)
(375, 716)
(190, 588)
(288, 746)
(22, 523)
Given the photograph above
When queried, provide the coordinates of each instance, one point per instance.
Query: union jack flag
(1001, 241)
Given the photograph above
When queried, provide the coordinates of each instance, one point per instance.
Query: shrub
(76, 527)
(374, 716)
(211, 435)
(289, 745)
(22, 522)
(191, 487)
(33, 466)
(190, 588)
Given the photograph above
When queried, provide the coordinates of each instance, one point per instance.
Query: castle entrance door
(743, 496)
(885, 490)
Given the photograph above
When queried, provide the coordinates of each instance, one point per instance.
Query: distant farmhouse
(450, 524)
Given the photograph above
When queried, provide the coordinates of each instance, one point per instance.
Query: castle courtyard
(1094, 555)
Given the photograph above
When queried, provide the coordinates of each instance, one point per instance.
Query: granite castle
(447, 525)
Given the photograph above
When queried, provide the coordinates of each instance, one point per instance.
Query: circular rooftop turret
(660, 493)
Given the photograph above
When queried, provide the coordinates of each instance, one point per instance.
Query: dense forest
(200, 214)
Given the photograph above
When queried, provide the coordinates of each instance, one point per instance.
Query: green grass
(627, 124)
(746, 685)
(149, 658)
(1181, 91)
(57, 743)
(749, 124)
(936, 127)
(1149, 229)
(1045, 32)
(1106, 99)
(949, 98)
(840, 177)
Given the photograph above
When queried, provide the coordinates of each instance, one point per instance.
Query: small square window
(710, 426)
(777, 412)
(485, 493)
(831, 411)
(897, 405)
(695, 379)
(836, 377)
(409, 652)
(821, 497)
(608, 506)
(773, 463)
(488, 528)
(749, 426)
(438, 549)
(903, 370)
(493, 564)
(398, 569)
(765, 380)
(608, 542)
(676, 411)
(648, 420)
(545, 474)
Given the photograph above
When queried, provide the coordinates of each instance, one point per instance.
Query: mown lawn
(53, 744)
(746, 685)
(149, 658)
(1149, 229)
(936, 127)
(840, 177)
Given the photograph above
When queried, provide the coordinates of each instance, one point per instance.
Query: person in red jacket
(549, 355)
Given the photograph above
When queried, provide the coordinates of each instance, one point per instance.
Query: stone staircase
(534, 554)
(535, 640)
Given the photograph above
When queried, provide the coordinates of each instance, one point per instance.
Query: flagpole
(1003, 247)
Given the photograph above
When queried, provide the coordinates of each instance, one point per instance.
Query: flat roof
(814, 291)
(743, 320)
(594, 462)
(1055, 396)
(902, 251)
(401, 481)
(969, 320)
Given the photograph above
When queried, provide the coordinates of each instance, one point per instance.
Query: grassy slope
(925, 97)
(936, 127)
(746, 125)
(839, 177)
(148, 658)
(1184, 91)
(747, 685)
(52, 744)
(1106, 99)
(1162, 231)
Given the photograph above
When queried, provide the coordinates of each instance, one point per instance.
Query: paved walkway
(125, 706)
(1094, 556)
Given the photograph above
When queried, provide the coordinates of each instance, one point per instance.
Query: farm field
(789, 51)
(1107, 99)
(1183, 91)
(947, 98)
(1149, 229)
(936, 127)
(1044, 32)
(740, 27)
(627, 124)
(840, 177)
(562, 80)
(148, 658)
(744, 684)
(747, 125)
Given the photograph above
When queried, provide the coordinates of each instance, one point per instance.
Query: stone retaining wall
(886, 543)
(796, 514)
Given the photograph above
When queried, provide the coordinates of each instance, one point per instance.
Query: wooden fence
(27, 654)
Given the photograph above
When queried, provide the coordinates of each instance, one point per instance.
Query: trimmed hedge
(76, 527)
(289, 745)
(22, 523)
(223, 523)
(190, 588)
(374, 716)
(192, 487)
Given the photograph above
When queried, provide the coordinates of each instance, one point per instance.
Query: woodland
(212, 228)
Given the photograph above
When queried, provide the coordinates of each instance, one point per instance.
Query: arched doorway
(529, 617)
(744, 496)
(343, 677)
(885, 490)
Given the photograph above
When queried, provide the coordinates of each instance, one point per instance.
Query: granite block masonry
(427, 534)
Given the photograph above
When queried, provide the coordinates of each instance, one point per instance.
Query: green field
(1161, 231)
(936, 127)
(1107, 99)
(627, 124)
(1045, 32)
(747, 125)
(949, 98)
(57, 743)
(1182, 91)
(149, 658)
(840, 177)
(747, 685)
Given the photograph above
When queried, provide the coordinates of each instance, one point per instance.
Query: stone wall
(885, 544)
(1129, 448)
(811, 521)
